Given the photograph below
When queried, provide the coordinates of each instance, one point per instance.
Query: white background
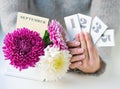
(110, 79)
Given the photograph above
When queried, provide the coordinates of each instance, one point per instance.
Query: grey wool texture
(109, 13)
(8, 13)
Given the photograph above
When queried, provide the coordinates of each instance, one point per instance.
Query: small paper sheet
(107, 39)
(72, 25)
(35, 23)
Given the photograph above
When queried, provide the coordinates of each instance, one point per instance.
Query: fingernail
(86, 33)
(77, 43)
(80, 50)
(80, 63)
(81, 33)
(83, 56)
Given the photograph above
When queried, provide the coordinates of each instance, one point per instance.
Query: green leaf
(46, 38)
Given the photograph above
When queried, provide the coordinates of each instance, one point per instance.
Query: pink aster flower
(57, 34)
(23, 48)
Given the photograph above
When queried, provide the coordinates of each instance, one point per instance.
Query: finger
(93, 53)
(77, 37)
(90, 44)
(73, 43)
(84, 46)
(77, 58)
(75, 65)
(82, 40)
(75, 51)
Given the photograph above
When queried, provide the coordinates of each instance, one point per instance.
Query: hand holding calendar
(101, 35)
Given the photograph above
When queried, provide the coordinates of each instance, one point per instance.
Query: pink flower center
(24, 46)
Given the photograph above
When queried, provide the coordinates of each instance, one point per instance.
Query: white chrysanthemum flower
(54, 64)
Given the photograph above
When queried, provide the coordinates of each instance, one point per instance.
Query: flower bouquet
(48, 54)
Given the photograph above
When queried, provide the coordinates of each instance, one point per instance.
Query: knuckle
(76, 50)
(80, 50)
(72, 59)
(71, 50)
(71, 66)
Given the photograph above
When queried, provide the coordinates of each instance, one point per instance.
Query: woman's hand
(85, 55)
